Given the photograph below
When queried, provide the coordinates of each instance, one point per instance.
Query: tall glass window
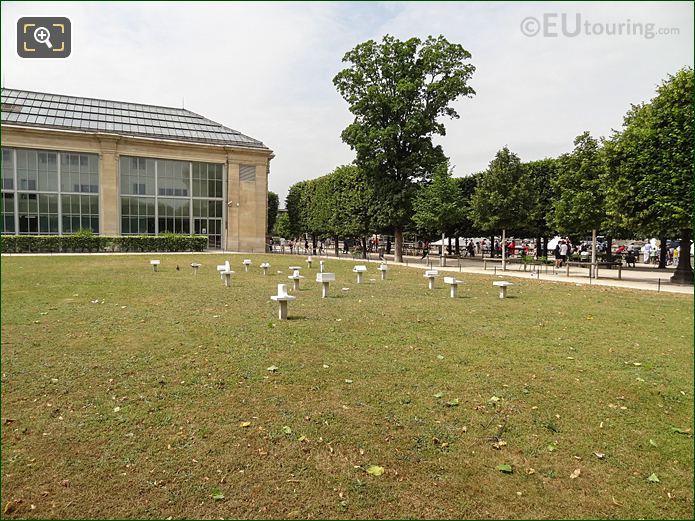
(45, 181)
(8, 212)
(168, 196)
(137, 176)
(138, 215)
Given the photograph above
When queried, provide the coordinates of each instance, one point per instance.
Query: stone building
(119, 168)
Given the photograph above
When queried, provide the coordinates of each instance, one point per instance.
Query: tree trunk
(492, 246)
(313, 244)
(662, 253)
(398, 255)
(684, 270)
(442, 262)
(457, 247)
(504, 249)
(364, 247)
(538, 247)
(593, 251)
(337, 249)
(545, 247)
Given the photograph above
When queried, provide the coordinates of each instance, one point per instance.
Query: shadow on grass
(296, 317)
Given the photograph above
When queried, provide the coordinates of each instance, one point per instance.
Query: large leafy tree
(650, 167)
(439, 206)
(398, 91)
(297, 210)
(540, 174)
(273, 205)
(501, 198)
(579, 191)
(465, 227)
(357, 209)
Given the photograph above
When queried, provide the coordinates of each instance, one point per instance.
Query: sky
(266, 69)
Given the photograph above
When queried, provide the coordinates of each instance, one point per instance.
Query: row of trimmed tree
(636, 182)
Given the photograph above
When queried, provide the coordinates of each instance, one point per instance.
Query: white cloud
(267, 69)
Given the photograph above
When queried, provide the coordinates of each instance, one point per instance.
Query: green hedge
(80, 242)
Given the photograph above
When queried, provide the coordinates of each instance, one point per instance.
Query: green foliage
(650, 161)
(465, 227)
(88, 242)
(439, 206)
(502, 196)
(343, 203)
(540, 175)
(273, 205)
(296, 204)
(282, 226)
(398, 91)
(578, 204)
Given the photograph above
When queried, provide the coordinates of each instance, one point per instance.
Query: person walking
(564, 249)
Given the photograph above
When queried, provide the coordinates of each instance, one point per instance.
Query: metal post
(659, 286)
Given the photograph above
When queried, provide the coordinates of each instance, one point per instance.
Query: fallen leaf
(375, 470)
(272, 368)
(507, 469)
(653, 478)
(599, 455)
(439, 394)
(680, 431)
(347, 381)
(576, 473)
(301, 438)
(217, 495)
(494, 399)
(453, 403)
(530, 471)
(440, 357)
(286, 430)
(244, 424)
(652, 443)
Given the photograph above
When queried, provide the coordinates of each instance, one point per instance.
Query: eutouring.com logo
(554, 25)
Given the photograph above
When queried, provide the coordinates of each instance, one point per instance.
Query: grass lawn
(156, 401)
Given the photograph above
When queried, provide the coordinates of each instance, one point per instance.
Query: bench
(596, 267)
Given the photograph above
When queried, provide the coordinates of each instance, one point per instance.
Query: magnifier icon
(43, 35)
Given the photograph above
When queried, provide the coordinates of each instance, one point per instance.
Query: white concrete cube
(154, 264)
(360, 270)
(227, 277)
(325, 279)
(282, 298)
(430, 275)
(503, 285)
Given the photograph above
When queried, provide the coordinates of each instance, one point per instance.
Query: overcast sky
(266, 70)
